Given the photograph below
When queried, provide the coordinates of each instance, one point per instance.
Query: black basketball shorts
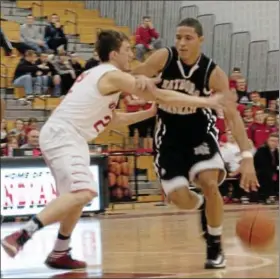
(179, 165)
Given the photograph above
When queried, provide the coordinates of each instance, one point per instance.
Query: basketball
(255, 229)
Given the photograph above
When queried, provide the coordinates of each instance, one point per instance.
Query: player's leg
(209, 182)
(208, 172)
(76, 188)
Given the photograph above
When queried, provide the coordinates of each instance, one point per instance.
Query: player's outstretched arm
(125, 119)
(117, 81)
(219, 83)
(153, 65)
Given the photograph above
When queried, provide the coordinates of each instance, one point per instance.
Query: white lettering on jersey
(182, 85)
(84, 107)
(202, 149)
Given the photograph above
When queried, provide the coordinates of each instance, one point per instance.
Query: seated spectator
(30, 35)
(54, 34)
(267, 167)
(5, 44)
(270, 121)
(255, 98)
(147, 38)
(11, 145)
(4, 135)
(220, 124)
(248, 116)
(29, 75)
(258, 131)
(241, 90)
(19, 131)
(235, 75)
(66, 72)
(50, 74)
(76, 64)
(32, 140)
(273, 106)
(92, 62)
(32, 124)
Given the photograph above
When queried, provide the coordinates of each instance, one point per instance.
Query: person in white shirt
(88, 109)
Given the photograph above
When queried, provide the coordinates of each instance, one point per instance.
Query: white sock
(215, 231)
(61, 244)
(32, 226)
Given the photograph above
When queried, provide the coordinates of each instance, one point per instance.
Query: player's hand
(145, 83)
(248, 181)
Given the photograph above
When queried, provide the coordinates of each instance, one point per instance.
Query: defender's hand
(145, 83)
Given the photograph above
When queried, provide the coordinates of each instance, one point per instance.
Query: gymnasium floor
(147, 242)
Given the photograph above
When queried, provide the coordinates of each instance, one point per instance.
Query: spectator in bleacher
(241, 90)
(248, 116)
(19, 131)
(30, 35)
(29, 75)
(255, 98)
(270, 121)
(54, 34)
(273, 106)
(76, 64)
(92, 62)
(4, 135)
(5, 43)
(258, 131)
(11, 145)
(236, 74)
(66, 72)
(145, 128)
(267, 167)
(32, 140)
(32, 124)
(147, 38)
(50, 74)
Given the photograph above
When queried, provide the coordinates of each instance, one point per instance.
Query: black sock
(62, 237)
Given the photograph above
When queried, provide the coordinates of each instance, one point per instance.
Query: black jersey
(185, 125)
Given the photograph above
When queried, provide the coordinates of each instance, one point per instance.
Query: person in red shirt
(146, 127)
(258, 131)
(248, 116)
(147, 38)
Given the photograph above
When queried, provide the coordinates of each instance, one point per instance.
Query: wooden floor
(159, 242)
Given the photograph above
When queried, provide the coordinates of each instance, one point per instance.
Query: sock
(214, 237)
(62, 243)
(32, 226)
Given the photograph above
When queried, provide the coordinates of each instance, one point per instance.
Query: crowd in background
(47, 69)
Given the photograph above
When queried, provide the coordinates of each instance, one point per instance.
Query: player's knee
(210, 188)
(182, 198)
(83, 197)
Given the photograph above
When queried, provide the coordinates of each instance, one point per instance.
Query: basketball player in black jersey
(185, 141)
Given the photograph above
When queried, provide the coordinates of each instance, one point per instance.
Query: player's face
(124, 56)
(187, 42)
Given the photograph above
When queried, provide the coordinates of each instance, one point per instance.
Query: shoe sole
(218, 266)
(63, 268)
(9, 249)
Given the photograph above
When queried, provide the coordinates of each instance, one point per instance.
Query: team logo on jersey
(202, 149)
(180, 85)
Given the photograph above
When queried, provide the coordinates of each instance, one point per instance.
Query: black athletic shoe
(215, 256)
(218, 263)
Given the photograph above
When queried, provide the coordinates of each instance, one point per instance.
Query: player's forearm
(174, 98)
(236, 125)
(126, 119)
